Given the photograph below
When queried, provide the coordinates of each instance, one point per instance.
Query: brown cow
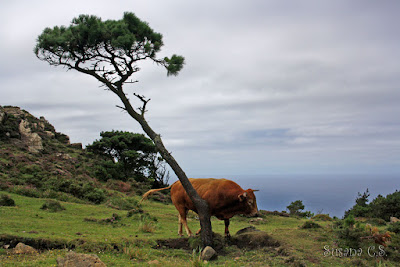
(225, 199)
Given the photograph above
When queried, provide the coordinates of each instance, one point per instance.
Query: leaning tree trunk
(200, 204)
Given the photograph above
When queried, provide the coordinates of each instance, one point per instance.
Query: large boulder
(21, 248)
(208, 253)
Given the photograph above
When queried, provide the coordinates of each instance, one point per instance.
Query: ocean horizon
(331, 194)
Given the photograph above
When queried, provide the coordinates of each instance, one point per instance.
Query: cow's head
(248, 200)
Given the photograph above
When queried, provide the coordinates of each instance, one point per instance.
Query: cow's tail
(150, 192)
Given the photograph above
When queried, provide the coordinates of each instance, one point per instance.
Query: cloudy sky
(269, 87)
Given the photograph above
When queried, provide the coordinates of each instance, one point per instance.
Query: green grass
(126, 243)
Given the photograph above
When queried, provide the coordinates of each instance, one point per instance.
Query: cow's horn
(256, 190)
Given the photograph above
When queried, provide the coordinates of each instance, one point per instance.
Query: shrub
(113, 220)
(6, 200)
(52, 205)
(310, 225)
(351, 237)
(393, 249)
(134, 211)
(95, 195)
(123, 203)
(322, 217)
(349, 221)
(147, 223)
(25, 191)
(295, 208)
(376, 221)
(395, 227)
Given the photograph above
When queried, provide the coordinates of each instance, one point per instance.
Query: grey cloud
(268, 86)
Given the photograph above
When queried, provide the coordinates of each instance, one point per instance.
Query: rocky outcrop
(16, 123)
(32, 140)
(394, 220)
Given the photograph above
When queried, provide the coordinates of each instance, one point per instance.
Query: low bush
(6, 200)
(147, 223)
(376, 221)
(350, 221)
(393, 249)
(322, 217)
(134, 211)
(120, 203)
(395, 227)
(309, 225)
(113, 220)
(52, 206)
(351, 237)
(25, 191)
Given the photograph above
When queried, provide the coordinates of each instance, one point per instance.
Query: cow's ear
(242, 197)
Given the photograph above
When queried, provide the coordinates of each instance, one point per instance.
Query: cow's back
(217, 193)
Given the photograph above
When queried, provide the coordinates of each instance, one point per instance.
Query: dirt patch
(191, 243)
(249, 237)
(38, 243)
(175, 243)
(253, 240)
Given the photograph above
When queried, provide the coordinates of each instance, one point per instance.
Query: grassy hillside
(38, 161)
(136, 240)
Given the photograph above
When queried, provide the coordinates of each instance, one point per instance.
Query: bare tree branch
(145, 101)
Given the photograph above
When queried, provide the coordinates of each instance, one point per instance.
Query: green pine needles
(107, 50)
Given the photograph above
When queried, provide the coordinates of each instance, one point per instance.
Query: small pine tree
(295, 207)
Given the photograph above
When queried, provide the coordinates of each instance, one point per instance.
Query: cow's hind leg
(180, 226)
(182, 221)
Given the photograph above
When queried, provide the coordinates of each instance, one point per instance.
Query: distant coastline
(331, 194)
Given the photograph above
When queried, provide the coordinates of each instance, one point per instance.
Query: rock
(21, 248)
(32, 140)
(64, 156)
(49, 134)
(73, 259)
(256, 220)
(208, 253)
(394, 220)
(247, 230)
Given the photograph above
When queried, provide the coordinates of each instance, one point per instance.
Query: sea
(331, 194)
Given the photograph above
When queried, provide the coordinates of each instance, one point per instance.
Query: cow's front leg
(227, 234)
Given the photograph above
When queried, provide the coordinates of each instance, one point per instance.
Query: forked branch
(145, 101)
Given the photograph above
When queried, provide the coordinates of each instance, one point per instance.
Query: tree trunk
(200, 204)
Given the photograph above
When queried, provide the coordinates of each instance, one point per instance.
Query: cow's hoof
(228, 239)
